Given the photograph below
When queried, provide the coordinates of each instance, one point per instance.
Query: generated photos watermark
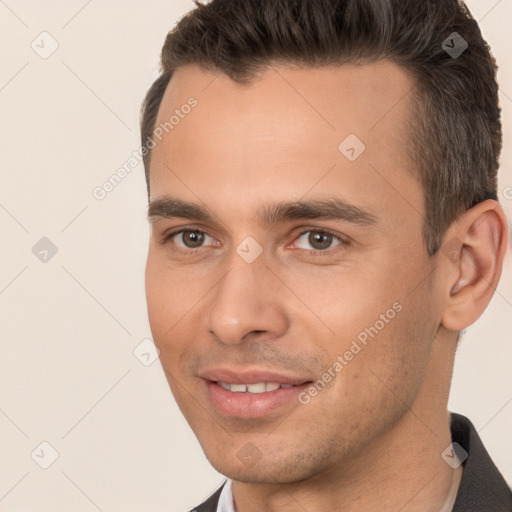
(100, 192)
(356, 347)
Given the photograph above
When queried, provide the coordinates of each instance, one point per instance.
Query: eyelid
(169, 234)
(343, 240)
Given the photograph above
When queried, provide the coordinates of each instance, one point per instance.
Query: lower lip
(252, 405)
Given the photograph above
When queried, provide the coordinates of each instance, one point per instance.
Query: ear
(472, 259)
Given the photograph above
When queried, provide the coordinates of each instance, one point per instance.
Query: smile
(260, 387)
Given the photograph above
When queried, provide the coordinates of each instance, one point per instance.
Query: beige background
(68, 375)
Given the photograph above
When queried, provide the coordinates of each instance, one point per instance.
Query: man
(322, 186)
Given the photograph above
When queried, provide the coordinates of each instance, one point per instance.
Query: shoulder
(211, 503)
(482, 487)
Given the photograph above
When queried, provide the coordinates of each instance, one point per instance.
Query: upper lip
(249, 376)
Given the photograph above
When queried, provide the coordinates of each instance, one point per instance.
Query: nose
(248, 299)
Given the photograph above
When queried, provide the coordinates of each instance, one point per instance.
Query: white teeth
(256, 388)
(260, 387)
(238, 388)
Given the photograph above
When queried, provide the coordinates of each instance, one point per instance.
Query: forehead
(357, 97)
(283, 129)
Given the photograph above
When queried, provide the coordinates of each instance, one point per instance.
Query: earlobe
(473, 260)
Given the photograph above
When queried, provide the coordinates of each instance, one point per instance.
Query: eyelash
(314, 252)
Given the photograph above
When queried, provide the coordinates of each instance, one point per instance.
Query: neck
(400, 470)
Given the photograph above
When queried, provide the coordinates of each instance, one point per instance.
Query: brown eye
(192, 239)
(317, 240)
(320, 240)
(189, 240)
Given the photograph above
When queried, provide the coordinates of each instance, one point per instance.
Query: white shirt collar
(226, 499)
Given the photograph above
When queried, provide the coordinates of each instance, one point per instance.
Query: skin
(373, 438)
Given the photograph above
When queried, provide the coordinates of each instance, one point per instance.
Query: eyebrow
(329, 209)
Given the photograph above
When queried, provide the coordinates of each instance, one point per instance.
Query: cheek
(345, 302)
(381, 334)
(175, 298)
(379, 383)
(396, 358)
(167, 304)
(160, 301)
(170, 295)
(164, 303)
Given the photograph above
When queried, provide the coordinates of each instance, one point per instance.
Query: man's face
(239, 296)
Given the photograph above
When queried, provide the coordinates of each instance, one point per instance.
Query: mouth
(249, 392)
(257, 388)
(252, 400)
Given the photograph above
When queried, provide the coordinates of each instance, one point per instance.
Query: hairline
(249, 79)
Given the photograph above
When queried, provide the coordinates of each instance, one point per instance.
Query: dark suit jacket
(482, 488)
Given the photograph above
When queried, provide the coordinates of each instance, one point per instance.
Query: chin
(258, 468)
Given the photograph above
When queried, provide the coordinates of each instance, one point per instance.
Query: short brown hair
(455, 127)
